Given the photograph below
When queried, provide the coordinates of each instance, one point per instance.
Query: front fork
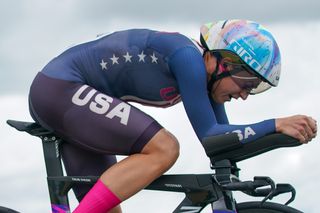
(219, 206)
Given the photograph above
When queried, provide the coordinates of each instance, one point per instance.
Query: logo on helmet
(245, 55)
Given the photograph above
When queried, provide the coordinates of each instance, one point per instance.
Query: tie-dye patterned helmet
(250, 43)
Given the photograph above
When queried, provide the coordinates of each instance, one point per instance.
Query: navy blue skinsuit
(82, 95)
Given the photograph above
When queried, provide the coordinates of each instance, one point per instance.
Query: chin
(219, 99)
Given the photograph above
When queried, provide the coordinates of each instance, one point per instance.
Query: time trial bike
(215, 189)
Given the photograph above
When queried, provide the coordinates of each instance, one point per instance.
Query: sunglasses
(244, 77)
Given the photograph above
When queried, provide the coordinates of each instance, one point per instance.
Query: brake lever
(280, 188)
(250, 185)
(260, 181)
(252, 188)
(285, 188)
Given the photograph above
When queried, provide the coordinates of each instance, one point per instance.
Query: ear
(207, 55)
(210, 62)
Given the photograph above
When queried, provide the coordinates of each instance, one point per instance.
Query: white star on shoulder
(154, 58)
(127, 57)
(114, 59)
(103, 65)
(141, 56)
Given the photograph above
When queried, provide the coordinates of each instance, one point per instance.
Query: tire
(267, 207)
(6, 210)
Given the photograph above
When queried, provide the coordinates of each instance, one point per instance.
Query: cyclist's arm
(189, 70)
(219, 112)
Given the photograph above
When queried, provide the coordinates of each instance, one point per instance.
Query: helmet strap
(216, 77)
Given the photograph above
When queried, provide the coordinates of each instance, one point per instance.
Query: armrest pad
(229, 147)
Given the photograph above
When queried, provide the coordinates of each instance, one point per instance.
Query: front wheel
(267, 207)
(7, 210)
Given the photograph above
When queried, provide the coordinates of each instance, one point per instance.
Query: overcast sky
(34, 31)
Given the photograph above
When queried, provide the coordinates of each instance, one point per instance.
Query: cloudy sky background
(34, 31)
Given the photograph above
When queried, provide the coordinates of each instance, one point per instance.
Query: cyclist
(83, 96)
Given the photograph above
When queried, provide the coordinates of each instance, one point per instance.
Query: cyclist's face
(226, 89)
(238, 85)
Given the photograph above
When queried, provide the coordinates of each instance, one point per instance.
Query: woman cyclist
(83, 94)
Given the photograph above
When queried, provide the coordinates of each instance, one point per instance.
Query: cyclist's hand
(301, 127)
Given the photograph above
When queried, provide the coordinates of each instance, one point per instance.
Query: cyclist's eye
(248, 86)
(230, 67)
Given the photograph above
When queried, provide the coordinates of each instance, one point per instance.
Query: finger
(313, 124)
(307, 128)
(316, 127)
(312, 136)
(306, 138)
(308, 132)
(300, 137)
(305, 135)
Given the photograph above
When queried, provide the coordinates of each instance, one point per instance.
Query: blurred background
(34, 31)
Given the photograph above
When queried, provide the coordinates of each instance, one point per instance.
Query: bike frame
(200, 189)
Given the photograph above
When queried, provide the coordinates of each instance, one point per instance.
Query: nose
(244, 94)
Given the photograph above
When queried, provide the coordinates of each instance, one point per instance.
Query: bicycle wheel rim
(7, 210)
(267, 207)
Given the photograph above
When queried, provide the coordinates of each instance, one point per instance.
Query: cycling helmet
(250, 43)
